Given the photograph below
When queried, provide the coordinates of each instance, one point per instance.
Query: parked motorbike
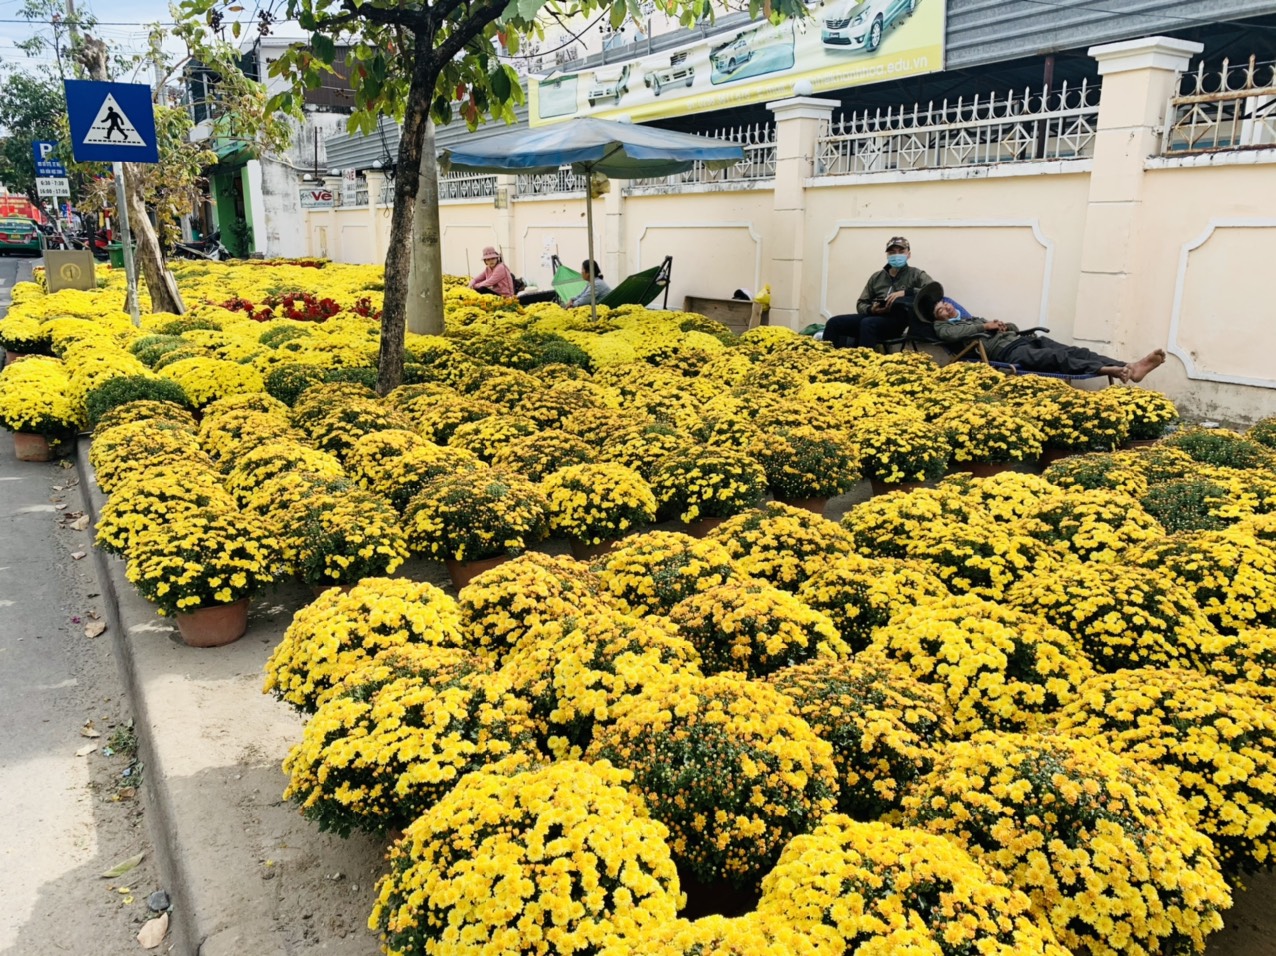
(210, 248)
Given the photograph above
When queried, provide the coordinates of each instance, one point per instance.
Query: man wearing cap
(495, 278)
(885, 306)
(1003, 342)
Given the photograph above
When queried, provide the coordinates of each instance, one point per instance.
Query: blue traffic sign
(111, 122)
(47, 164)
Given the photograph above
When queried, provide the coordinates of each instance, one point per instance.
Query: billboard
(841, 43)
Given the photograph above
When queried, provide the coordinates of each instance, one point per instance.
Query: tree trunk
(425, 281)
(149, 257)
(398, 258)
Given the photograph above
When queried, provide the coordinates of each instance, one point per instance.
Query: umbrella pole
(593, 266)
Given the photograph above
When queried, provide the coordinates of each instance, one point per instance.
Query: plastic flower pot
(462, 572)
(1050, 455)
(214, 626)
(10, 356)
(28, 446)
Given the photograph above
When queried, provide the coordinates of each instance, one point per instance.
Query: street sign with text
(47, 164)
(52, 186)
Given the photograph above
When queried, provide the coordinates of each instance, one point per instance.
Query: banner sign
(841, 43)
(317, 197)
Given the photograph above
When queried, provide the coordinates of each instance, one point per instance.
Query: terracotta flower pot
(886, 487)
(703, 527)
(28, 446)
(214, 626)
(462, 572)
(813, 505)
(1141, 442)
(983, 469)
(586, 551)
(11, 357)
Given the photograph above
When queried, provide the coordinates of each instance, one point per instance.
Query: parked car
(727, 57)
(861, 24)
(612, 89)
(19, 234)
(678, 71)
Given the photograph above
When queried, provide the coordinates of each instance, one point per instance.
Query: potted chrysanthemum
(201, 566)
(900, 451)
(989, 438)
(36, 406)
(594, 506)
(702, 486)
(805, 466)
(475, 520)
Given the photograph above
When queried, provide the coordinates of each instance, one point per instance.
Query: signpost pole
(126, 237)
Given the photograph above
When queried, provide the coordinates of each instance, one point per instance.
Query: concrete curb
(245, 871)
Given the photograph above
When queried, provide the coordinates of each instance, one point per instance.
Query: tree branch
(386, 17)
(476, 21)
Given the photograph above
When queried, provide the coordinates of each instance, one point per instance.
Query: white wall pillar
(257, 203)
(799, 122)
(1138, 80)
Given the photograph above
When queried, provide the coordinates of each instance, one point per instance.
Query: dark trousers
(866, 331)
(1040, 354)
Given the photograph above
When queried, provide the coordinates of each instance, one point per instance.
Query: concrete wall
(1124, 252)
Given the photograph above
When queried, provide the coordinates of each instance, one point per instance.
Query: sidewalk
(247, 874)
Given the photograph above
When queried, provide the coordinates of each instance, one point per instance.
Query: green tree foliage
(30, 105)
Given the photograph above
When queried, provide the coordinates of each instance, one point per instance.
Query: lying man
(1003, 342)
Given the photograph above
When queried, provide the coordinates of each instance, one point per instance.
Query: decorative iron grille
(547, 184)
(758, 142)
(1015, 128)
(467, 186)
(1230, 108)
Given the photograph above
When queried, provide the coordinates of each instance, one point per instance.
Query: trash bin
(116, 251)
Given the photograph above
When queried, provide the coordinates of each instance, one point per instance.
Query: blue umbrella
(619, 150)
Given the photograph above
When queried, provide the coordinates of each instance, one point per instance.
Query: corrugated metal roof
(979, 33)
(989, 31)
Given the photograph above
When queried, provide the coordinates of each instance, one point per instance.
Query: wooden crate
(739, 315)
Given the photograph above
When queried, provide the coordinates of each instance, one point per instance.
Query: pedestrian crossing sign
(111, 122)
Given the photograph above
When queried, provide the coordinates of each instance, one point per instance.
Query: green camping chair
(641, 288)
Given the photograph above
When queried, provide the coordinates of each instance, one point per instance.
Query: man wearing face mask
(1003, 342)
(886, 304)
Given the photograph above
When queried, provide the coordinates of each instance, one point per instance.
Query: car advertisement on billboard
(840, 43)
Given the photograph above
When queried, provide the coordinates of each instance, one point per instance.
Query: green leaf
(325, 48)
(236, 29)
(123, 866)
(500, 84)
(527, 9)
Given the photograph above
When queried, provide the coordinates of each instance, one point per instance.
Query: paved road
(65, 819)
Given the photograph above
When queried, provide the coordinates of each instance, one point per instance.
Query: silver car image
(860, 24)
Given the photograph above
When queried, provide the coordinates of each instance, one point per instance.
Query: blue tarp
(620, 150)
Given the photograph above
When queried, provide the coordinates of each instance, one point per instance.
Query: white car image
(861, 24)
(678, 71)
(612, 88)
(728, 57)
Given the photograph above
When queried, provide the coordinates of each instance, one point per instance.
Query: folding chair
(976, 346)
(641, 288)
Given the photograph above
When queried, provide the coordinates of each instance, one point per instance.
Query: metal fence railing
(1233, 107)
(758, 142)
(1017, 127)
(565, 180)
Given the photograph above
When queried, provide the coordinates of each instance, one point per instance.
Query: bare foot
(1139, 369)
(1116, 371)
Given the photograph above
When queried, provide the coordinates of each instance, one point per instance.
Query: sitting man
(886, 304)
(1003, 342)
